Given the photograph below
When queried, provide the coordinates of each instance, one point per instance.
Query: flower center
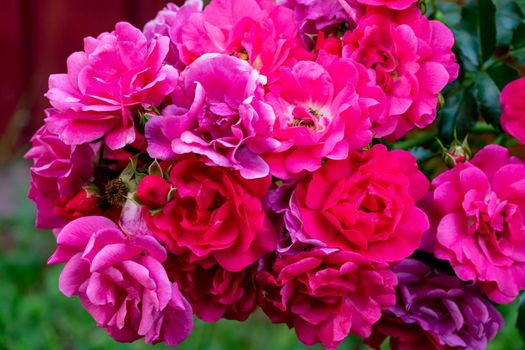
(217, 119)
(487, 218)
(242, 54)
(308, 118)
(115, 192)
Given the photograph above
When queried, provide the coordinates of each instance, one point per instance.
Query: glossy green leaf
(468, 49)
(508, 18)
(448, 13)
(486, 17)
(502, 74)
(458, 115)
(518, 37)
(487, 97)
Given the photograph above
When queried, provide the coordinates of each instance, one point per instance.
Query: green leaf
(458, 115)
(422, 154)
(521, 4)
(502, 74)
(518, 57)
(155, 169)
(487, 97)
(508, 17)
(468, 48)
(520, 322)
(486, 16)
(448, 13)
(518, 37)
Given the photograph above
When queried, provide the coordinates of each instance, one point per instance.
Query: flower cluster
(227, 157)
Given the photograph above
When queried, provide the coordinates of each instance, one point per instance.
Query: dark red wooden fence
(36, 36)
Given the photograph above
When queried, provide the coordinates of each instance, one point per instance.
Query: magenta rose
(323, 110)
(169, 21)
(215, 213)
(391, 4)
(434, 310)
(258, 31)
(479, 208)
(121, 282)
(413, 60)
(326, 294)
(117, 74)
(323, 17)
(213, 291)
(219, 113)
(57, 174)
(513, 109)
(364, 204)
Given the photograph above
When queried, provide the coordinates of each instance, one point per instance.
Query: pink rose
(413, 61)
(513, 109)
(391, 4)
(364, 204)
(169, 21)
(258, 31)
(121, 282)
(323, 17)
(212, 291)
(480, 227)
(116, 75)
(215, 213)
(57, 173)
(218, 112)
(326, 294)
(323, 110)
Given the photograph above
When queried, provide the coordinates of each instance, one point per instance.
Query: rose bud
(153, 191)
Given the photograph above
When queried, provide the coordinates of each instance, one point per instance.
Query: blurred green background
(35, 315)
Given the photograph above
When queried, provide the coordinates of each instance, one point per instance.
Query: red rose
(212, 291)
(215, 213)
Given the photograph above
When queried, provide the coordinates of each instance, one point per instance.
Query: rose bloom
(413, 60)
(513, 109)
(81, 203)
(57, 173)
(258, 31)
(330, 17)
(116, 75)
(391, 4)
(218, 112)
(323, 110)
(215, 213)
(326, 294)
(213, 291)
(364, 204)
(479, 207)
(435, 311)
(169, 21)
(121, 282)
(323, 17)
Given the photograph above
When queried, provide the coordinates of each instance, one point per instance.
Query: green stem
(484, 128)
(416, 141)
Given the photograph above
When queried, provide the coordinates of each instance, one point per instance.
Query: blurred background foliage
(490, 45)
